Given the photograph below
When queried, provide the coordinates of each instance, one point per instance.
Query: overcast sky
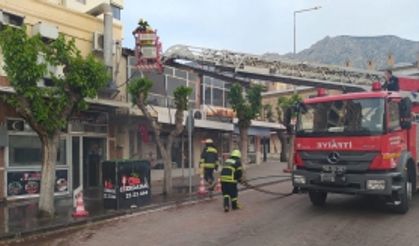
(259, 26)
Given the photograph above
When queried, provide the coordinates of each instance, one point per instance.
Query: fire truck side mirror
(405, 108)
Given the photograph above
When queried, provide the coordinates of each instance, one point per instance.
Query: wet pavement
(263, 220)
(20, 218)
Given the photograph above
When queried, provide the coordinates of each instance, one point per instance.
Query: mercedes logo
(333, 158)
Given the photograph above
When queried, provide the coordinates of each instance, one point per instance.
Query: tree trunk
(291, 152)
(283, 138)
(243, 145)
(167, 183)
(165, 150)
(49, 158)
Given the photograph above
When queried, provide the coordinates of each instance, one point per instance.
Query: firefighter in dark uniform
(231, 174)
(209, 162)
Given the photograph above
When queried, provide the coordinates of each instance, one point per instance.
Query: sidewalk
(19, 218)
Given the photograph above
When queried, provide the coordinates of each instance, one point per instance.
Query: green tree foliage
(181, 95)
(47, 109)
(287, 103)
(139, 88)
(285, 113)
(247, 107)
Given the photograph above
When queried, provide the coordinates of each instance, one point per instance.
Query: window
(172, 84)
(216, 92)
(361, 117)
(394, 116)
(25, 150)
(217, 97)
(158, 86)
(11, 19)
(116, 12)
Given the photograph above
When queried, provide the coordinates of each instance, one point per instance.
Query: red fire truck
(358, 143)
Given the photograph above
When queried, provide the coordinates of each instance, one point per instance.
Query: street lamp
(295, 24)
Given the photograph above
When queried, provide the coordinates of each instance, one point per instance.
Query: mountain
(358, 50)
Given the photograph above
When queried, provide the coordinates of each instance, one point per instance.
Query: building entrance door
(93, 154)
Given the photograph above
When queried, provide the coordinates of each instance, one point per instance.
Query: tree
(247, 108)
(139, 88)
(284, 111)
(47, 109)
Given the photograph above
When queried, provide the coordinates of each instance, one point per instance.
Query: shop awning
(255, 131)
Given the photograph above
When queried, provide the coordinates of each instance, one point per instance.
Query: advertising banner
(29, 182)
(126, 184)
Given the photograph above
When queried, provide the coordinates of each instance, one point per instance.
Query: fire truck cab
(357, 143)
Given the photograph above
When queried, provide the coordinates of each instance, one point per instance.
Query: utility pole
(295, 24)
(292, 134)
(190, 119)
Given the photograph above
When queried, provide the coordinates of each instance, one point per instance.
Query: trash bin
(126, 183)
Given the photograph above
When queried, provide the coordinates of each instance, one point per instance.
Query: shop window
(25, 150)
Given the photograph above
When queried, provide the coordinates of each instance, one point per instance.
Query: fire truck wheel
(317, 198)
(405, 195)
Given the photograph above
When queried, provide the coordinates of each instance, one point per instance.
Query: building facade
(112, 128)
(90, 136)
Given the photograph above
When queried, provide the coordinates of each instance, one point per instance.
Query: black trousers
(209, 176)
(230, 194)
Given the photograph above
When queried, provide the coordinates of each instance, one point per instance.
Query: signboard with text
(29, 182)
(126, 184)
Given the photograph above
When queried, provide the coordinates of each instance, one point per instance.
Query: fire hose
(257, 188)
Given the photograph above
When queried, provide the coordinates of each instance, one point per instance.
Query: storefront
(81, 149)
(22, 159)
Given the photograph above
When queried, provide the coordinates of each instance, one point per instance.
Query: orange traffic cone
(218, 186)
(202, 190)
(80, 211)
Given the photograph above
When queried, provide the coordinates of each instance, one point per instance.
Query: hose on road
(257, 188)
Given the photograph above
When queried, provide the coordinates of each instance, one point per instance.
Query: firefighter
(209, 162)
(231, 174)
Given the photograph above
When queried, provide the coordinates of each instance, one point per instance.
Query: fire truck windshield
(358, 117)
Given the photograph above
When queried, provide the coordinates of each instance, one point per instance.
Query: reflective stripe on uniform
(208, 165)
(229, 178)
(211, 150)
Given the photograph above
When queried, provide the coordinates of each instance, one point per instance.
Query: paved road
(264, 220)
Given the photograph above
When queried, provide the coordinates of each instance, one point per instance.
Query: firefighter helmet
(236, 153)
(208, 141)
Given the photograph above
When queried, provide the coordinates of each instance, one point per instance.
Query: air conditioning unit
(46, 31)
(56, 71)
(10, 19)
(17, 125)
(199, 114)
(98, 41)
